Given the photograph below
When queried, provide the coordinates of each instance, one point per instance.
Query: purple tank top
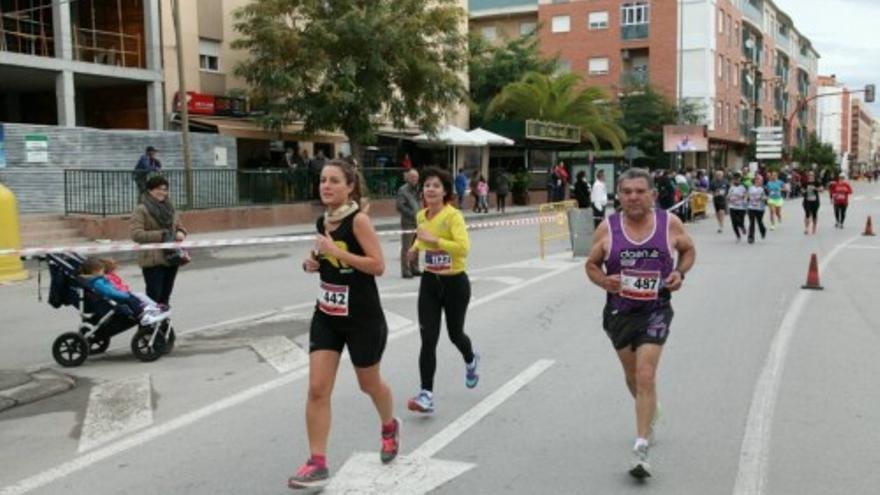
(643, 267)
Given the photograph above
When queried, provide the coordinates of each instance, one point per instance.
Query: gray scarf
(161, 211)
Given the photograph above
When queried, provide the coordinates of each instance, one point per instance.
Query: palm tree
(560, 99)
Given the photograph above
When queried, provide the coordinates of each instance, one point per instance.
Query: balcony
(634, 79)
(634, 32)
(753, 12)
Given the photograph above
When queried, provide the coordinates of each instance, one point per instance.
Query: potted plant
(520, 187)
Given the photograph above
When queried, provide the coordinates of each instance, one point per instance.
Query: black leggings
(811, 210)
(738, 220)
(756, 216)
(840, 213)
(451, 294)
(500, 200)
(160, 282)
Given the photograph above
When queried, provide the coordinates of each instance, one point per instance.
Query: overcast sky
(846, 33)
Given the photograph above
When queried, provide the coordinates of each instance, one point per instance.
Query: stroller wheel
(70, 349)
(143, 349)
(98, 345)
(168, 336)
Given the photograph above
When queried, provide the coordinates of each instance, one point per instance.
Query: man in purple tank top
(634, 260)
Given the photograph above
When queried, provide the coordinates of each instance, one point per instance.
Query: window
(209, 55)
(598, 66)
(527, 28)
(633, 13)
(561, 24)
(563, 66)
(720, 67)
(735, 75)
(598, 20)
(489, 33)
(721, 18)
(719, 111)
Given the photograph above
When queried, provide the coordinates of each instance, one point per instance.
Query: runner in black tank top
(348, 313)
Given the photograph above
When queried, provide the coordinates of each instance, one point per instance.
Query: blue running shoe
(471, 377)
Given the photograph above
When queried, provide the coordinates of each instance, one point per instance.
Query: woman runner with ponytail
(348, 256)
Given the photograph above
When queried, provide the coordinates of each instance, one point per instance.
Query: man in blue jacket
(145, 168)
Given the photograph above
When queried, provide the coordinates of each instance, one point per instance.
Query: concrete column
(62, 30)
(153, 35)
(65, 95)
(155, 106)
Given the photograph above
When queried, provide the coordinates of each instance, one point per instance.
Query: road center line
(751, 476)
(79, 463)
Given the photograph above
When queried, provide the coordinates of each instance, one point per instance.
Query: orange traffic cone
(813, 275)
(869, 228)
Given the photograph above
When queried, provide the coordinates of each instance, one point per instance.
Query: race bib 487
(641, 285)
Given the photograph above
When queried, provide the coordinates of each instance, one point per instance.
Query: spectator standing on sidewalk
(502, 189)
(582, 190)
(408, 205)
(147, 166)
(599, 198)
(316, 164)
(461, 184)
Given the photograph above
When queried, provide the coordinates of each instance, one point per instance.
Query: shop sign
(552, 131)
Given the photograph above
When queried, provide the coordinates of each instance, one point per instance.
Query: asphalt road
(766, 389)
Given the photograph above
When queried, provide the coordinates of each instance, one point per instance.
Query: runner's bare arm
(687, 253)
(372, 262)
(594, 262)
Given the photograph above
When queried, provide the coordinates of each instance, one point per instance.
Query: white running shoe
(641, 468)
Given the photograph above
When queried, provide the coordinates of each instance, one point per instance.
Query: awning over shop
(451, 136)
(491, 138)
(250, 129)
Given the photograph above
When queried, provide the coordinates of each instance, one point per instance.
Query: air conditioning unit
(624, 54)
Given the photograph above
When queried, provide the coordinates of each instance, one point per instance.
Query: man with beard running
(632, 259)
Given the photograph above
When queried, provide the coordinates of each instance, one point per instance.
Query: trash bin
(580, 226)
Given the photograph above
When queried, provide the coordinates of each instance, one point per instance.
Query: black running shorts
(365, 339)
(720, 203)
(634, 329)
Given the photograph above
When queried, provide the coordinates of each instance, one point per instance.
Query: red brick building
(742, 61)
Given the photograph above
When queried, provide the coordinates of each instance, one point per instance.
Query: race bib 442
(333, 299)
(641, 285)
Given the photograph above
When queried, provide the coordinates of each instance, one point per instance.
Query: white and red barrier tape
(121, 247)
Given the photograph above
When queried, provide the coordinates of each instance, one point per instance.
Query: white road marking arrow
(115, 409)
(417, 473)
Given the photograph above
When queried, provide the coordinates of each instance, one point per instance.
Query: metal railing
(634, 31)
(634, 78)
(116, 192)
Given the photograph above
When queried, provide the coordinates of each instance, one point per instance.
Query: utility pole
(182, 101)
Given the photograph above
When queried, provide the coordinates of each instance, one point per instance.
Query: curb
(22, 388)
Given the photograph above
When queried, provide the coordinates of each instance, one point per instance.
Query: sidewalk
(18, 387)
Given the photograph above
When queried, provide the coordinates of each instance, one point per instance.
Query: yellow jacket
(449, 254)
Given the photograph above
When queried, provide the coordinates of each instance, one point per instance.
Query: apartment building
(499, 20)
(94, 63)
(833, 119)
(862, 136)
(742, 61)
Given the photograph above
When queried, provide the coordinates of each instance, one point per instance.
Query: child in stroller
(105, 311)
(94, 273)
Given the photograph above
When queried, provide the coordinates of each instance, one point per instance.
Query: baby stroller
(100, 318)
